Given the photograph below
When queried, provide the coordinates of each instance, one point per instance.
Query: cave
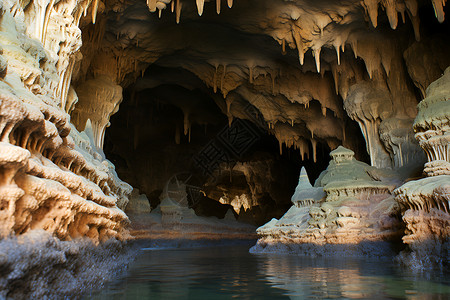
(249, 129)
(181, 127)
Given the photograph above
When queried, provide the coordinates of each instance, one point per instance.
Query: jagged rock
(138, 204)
(81, 57)
(305, 194)
(357, 208)
(426, 202)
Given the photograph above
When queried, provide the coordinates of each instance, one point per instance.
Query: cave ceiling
(278, 56)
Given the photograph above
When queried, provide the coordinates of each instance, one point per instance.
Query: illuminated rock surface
(357, 208)
(242, 94)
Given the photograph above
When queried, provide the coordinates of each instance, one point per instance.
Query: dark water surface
(229, 271)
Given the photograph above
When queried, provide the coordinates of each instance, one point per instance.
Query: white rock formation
(426, 202)
(51, 176)
(357, 209)
(61, 57)
(305, 194)
(172, 220)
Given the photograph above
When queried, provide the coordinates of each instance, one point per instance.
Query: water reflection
(348, 278)
(228, 272)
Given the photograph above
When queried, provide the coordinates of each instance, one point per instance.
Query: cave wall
(308, 68)
(52, 176)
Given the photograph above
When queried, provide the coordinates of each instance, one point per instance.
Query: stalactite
(218, 6)
(317, 58)
(222, 81)
(338, 54)
(230, 3)
(299, 43)
(200, 5)
(215, 78)
(178, 11)
(314, 147)
(186, 122)
(371, 7)
(151, 5)
(273, 77)
(438, 6)
(94, 11)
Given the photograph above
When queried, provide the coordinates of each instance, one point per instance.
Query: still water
(229, 271)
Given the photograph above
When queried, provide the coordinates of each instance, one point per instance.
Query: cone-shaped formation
(305, 194)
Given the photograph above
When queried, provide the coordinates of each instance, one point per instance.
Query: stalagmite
(200, 5)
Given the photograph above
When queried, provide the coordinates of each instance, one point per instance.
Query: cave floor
(226, 269)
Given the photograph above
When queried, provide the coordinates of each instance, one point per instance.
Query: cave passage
(171, 123)
(318, 128)
(220, 103)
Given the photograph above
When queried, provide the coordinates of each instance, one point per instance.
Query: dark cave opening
(177, 125)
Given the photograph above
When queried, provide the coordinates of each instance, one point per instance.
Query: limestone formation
(174, 220)
(91, 87)
(305, 194)
(357, 208)
(138, 203)
(52, 177)
(426, 202)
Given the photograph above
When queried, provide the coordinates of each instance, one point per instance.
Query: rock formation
(165, 86)
(357, 208)
(174, 219)
(426, 202)
(52, 176)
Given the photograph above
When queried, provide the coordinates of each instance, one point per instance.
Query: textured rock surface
(305, 72)
(38, 265)
(426, 202)
(357, 209)
(51, 176)
(170, 220)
